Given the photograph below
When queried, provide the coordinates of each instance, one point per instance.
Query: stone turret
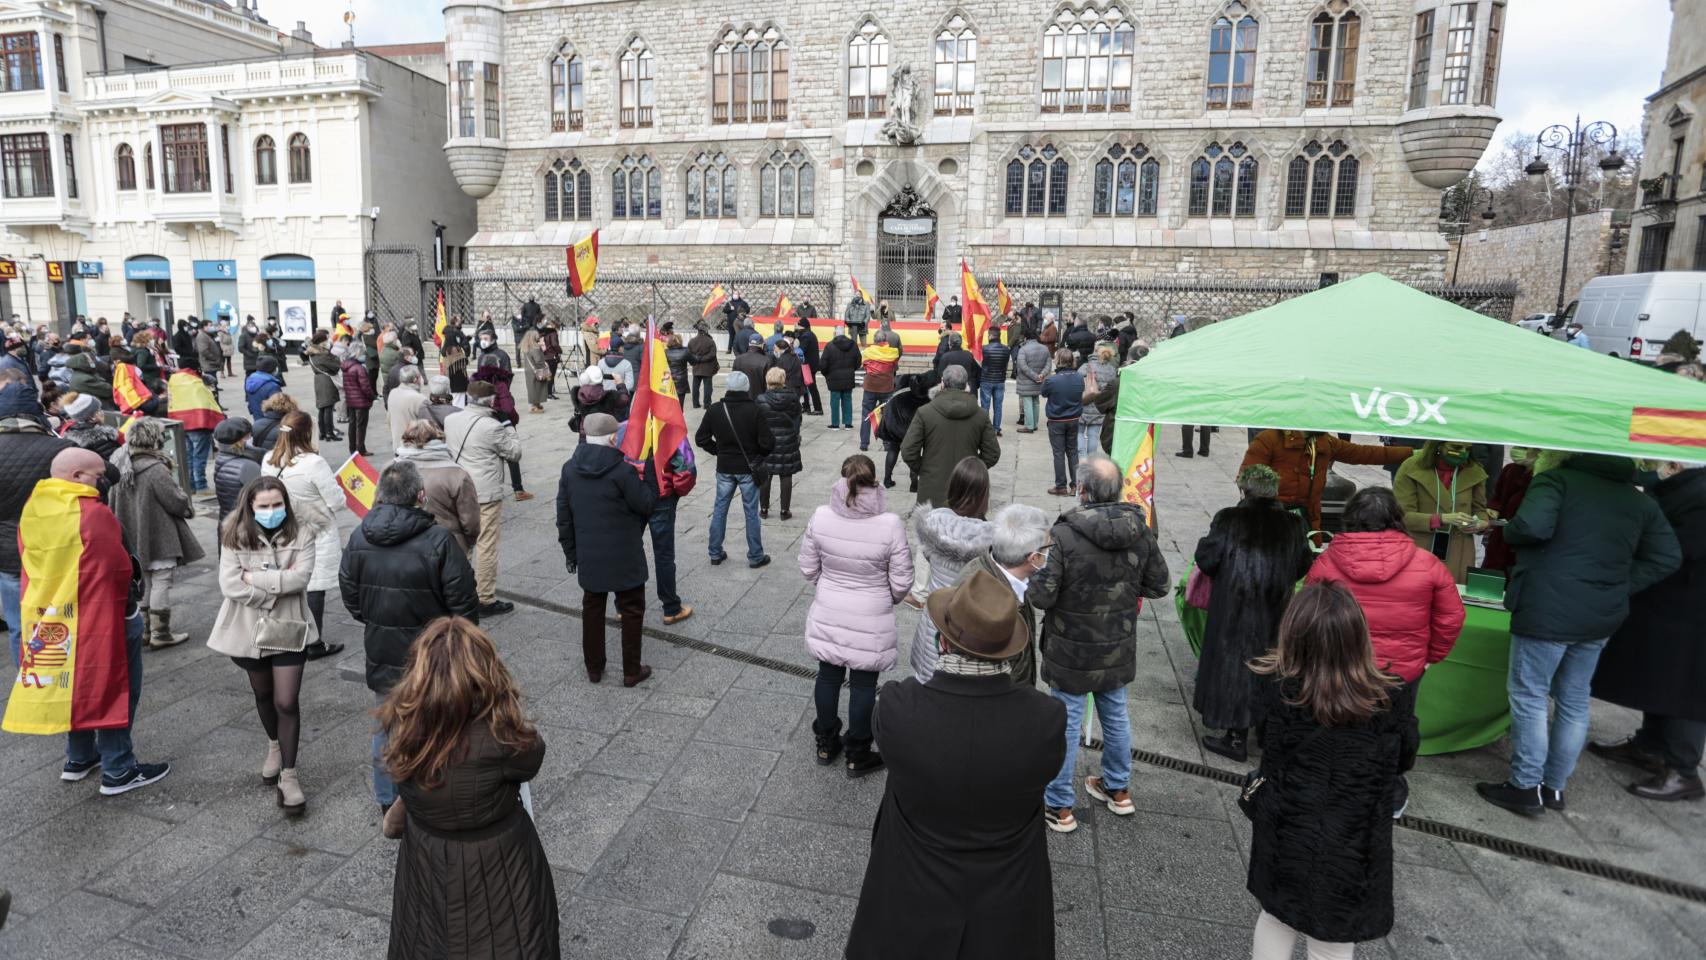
(474, 50)
(1454, 73)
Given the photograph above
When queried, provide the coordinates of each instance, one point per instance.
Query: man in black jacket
(1103, 563)
(1080, 340)
(734, 311)
(1585, 540)
(234, 465)
(401, 571)
(840, 362)
(957, 355)
(603, 507)
(752, 360)
(735, 433)
(951, 313)
(807, 341)
(992, 391)
(27, 449)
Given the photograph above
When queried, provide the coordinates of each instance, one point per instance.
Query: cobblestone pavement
(684, 818)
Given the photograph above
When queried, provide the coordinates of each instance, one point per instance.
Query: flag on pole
(359, 482)
(1139, 484)
(583, 265)
(784, 307)
(975, 312)
(859, 290)
(656, 404)
(930, 301)
(1003, 303)
(190, 402)
(73, 673)
(876, 417)
(439, 324)
(718, 297)
(124, 428)
(129, 392)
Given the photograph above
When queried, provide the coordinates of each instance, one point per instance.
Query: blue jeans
(662, 524)
(384, 790)
(990, 397)
(1028, 411)
(1564, 671)
(726, 484)
(113, 746)
(1089, 440)
(840, 408)
(1116, 745)
(200, 444)
(871, 402)
(10, 597)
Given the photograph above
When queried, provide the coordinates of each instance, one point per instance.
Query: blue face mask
(271, 518)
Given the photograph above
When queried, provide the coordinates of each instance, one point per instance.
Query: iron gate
(904, 265)
(393, 277)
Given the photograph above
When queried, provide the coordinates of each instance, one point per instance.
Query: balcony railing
(872, 106)
(1343, 92)
(953, 104)
(1086, 101)
(572, 120)
(630, 117)
(758, 111)
(243, 75)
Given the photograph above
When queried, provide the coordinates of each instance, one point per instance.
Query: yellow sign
(8, 270)
(55, 271)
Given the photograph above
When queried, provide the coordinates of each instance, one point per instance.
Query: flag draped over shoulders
(189, 401)
(657, 405)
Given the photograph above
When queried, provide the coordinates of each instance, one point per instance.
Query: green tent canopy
(1372, 355)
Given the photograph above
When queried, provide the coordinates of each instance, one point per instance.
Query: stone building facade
(1195, 140)
(1670, 226)
(1529, 255)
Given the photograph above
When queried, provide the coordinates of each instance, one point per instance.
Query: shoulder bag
(279, 634)
(760, 470)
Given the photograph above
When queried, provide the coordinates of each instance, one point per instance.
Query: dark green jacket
(1585, 539)
(87, 380)
(1104, 561)
(945, 431)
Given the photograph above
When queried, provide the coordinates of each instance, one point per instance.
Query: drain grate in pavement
(1433, 828)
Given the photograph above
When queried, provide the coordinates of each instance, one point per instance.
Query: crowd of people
(1027, 624)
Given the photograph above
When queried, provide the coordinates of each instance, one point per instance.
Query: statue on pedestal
(901, 129)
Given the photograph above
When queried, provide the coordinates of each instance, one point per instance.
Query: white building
(172, 157)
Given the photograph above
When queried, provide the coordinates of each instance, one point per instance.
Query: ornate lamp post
(1573, 142)
(1471, 196)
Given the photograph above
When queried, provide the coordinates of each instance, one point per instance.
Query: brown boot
(160, 635)
(290, 795)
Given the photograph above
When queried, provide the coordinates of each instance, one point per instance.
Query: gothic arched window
(1223, 182)
(568, 89)
(867, 73)
(568, 191)
(636, 190)
(1128, 182)
(711, 187)
(1036, 182)
(1087, 61)
(749, 77)
(1322, 182)
(1232, 59)
(787, 185)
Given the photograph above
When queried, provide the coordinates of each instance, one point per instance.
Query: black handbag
(761, 470)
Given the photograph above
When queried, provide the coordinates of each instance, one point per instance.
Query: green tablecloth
(1462, 703)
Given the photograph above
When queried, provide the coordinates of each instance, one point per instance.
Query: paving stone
(599, 707)
(73, 926)
(233, 902)
(1078, 929)
(700, 675)
(661, 858)
(645, 746)
(799, 853)
(567, 750)
(681, 704)
(745, 919)
(340, 818)
(754, 719)
(1437, 914)
(714, 780)
(1183, 867)
(583, 819)
(65, 851)
(800, 788)
(322, 931)
(156, 871)
(364, 881)
(1152, 936)
(595, 930)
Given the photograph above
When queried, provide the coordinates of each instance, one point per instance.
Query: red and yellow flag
(1003, 303)
(189, 401)
(975, 312)
(1139, 484)
(784, 307)
(583, 265)
(359, 482)
(859, 290)
(1679, 428)
(129, 392)
(74, 585)
(930, 301)
(657, 404)
(715, 301)
(439, 324)
(343, 331)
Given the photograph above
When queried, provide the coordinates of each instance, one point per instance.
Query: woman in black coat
(781, 409)
(1254, 554)
(911, 394)
(1321, 819)
(839, 362)
(1656, 661)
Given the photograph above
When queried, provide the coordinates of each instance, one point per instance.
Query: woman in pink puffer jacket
(858, 558)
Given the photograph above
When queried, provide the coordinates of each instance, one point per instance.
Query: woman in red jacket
(1408, 596)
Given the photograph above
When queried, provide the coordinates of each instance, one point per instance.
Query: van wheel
(1613, 353)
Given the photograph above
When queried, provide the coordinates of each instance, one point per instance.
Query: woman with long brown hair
(1322, 802)
(948, 537)
(314, 494)
(472, 878)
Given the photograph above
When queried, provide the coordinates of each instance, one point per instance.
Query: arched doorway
(906, 252)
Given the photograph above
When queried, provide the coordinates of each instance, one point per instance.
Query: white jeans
(1275, 940)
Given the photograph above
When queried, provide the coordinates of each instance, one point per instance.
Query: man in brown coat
(1304, 458)
(450, 494)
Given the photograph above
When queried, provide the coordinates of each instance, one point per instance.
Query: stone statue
(900, 128)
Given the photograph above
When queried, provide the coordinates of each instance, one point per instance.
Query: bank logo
(1398, 409)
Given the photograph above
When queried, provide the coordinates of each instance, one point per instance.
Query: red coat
(1409, 597)
(1508, 491)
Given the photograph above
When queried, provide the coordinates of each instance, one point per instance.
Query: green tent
(1372, 355)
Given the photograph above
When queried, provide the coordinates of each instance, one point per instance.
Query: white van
(1634, 314)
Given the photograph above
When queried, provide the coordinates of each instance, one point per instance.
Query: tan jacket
(1422, 496)
(277, 588)
(450, 494)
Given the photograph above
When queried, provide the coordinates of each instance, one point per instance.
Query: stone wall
(1530, 254)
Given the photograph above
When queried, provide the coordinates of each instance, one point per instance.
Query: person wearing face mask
(155, 512)
(318, 499)
(267, 558)
(248, 344)
(358, 397)
(1443, 493)
(487, 345)
(1504, 501)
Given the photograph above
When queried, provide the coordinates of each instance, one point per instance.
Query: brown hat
(979, 617)
(481, 388)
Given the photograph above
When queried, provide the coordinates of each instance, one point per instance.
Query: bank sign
(287, 268)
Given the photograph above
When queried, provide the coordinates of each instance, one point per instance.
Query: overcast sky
(1561, 57)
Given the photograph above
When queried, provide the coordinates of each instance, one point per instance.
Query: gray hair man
(945, 431)
(400, 571)
(1019, 550)
(1103, 563)
(441, 401)
(485, 444)
(405, 405)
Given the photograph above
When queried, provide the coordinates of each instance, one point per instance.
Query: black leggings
(328, 424)
(317, 607)
(515, 475)
(787, 482)
(358, 430)
(277, 683)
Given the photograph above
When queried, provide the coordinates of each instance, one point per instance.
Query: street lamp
(1471, 194)
(1573, 142)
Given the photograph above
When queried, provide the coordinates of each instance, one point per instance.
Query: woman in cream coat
(266, 561)
(314, 493)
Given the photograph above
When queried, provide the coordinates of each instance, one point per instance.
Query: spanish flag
(1679, 428)
(583, 265)
(75, 582)
(657, 404)
(930, 301)
(1138, 485)
(442, 322)
(784, 307)
(859, 290)
(189, 401)
(718, 297)
(1003, 303)
(343, 330)
(975, 312)
(359, 482)
(124, 428)
(129, 392)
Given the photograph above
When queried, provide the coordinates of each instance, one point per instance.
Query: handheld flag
(190, 402)
(1139, 484)
(930, 301)
(784, 307)
(359, 482)
(124, 428)
(74, 574)
(442, 322)
(129, 392)
(715, 301)
(343, 331)
(859, 290)
(976, 312)
(583, 265)
(657, 405)
(1003, 302)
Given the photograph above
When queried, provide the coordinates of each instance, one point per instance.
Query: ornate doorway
(906, 252)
